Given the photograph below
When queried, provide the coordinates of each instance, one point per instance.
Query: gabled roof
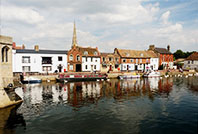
(133, 53)
(90, 51)
(152, 54)
(162, 50)
(193, 56)
(32, 51)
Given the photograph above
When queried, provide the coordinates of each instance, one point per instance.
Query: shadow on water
(10, 119)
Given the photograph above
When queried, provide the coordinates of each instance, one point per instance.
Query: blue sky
(106, 24)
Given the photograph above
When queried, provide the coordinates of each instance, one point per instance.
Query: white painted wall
(89, 63)
(191, 65)
(36, 62)
(154, 62)
(124, 67)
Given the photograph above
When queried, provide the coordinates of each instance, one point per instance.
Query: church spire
(74, 39)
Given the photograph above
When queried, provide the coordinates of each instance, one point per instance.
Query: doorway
(110, 68)
(78, 67)
(136, 67)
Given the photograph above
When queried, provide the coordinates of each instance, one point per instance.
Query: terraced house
(110, 62)
(164, 55)
(82, 59)
(139, 60)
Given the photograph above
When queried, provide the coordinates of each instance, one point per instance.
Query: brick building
(82, 59)
(164, 55)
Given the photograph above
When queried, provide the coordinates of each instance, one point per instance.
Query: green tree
(179, 54)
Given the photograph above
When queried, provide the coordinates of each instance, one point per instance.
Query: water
(150, 106)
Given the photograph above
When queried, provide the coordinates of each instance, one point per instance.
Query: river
(151, 106)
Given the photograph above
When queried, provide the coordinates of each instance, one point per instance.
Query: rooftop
(193, 56)
(41, 51)
(162, 50)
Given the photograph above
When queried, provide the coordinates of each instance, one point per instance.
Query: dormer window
(95, 53)
(141, 54)
(71, 57)
(85, 53)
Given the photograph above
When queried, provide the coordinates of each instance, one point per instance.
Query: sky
(106, 24)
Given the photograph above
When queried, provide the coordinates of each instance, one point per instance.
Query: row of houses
(89, 59)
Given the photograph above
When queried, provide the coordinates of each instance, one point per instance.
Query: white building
(137, 60)
(90, 64)
(39, 61)
(191, 62)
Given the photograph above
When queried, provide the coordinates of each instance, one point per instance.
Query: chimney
(36, 48)
(168, 48)
(152, 47)
(23, 46)
(14, 45)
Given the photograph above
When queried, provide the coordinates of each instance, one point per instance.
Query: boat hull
(31, 81)
(129, 76)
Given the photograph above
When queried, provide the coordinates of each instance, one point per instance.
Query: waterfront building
(39, 61)
(82, 59)
(6, 75)
(139, 60)
(164, 55)
(191, 62)
(110, 62)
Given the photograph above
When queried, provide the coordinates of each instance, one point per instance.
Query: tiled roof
(193, 56)
(152, 54)
(105, 54)
(88, 51)
(133, 53)
(162, 50)
(32, 51)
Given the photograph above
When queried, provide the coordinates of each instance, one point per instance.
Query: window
(71, 67)
(78, 58)
(140, 60)
(25, 59)
(86, 59)
(110, 59)
(4, 54)
(147, 60)
(91, 59)
(103, 58)
(192, 62)
(95, 53)
(71, 57)
(141, 54)
(188, 62)
(116, 59)
(96, 60)
(136, 60)
(46, 60)
(116, 65)
(94, 66)
(26, 68)
(85, 53)
(47, 68)
(132, 60)
(124, 60)
(60, 58)
(86, 67)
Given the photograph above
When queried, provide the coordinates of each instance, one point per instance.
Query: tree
(179, 54)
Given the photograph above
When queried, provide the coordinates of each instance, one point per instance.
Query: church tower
(74, 39)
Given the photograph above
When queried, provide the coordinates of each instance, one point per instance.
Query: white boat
(30, 80)
(129, 76)
(151, 74)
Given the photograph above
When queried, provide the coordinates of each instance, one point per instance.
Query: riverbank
(111, 75)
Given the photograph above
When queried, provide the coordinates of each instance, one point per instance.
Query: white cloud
(26, 15)
(164, 18)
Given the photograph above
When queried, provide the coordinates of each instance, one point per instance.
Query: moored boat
(30, 80)
(151, 74)
(129, 76)
(81, 77)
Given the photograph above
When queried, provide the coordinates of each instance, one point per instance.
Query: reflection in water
(10, 119)
(114, 106)
(78, 94)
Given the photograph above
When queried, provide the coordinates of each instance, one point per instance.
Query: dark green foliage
(180, 54)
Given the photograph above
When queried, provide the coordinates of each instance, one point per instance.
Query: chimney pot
(36, 48)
